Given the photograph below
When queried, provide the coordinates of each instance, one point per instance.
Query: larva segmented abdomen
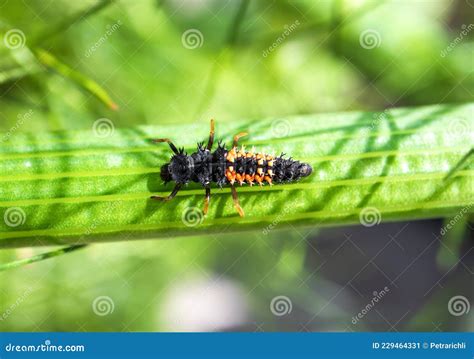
(249, 167)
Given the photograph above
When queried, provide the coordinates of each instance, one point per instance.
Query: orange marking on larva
(258, 179)
(230, 175)
(249, 179)
(231, 168)
(230, 157)
(269, 180)
(239, 178)
(270, 163)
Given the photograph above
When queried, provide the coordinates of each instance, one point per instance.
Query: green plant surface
(85, 186)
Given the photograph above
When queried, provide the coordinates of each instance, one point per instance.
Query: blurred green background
(163, 62)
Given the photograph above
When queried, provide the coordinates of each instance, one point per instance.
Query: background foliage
(76, 68)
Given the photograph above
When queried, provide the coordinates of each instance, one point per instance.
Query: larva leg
(236, 202)
(170, 196)
(207, 199)
(167, 140)
(238, 136)
(211, 136)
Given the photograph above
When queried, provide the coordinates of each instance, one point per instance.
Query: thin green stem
(40, 257)
(50, 61)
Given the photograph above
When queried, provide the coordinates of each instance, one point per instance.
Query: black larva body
(227, 167)
(205, 167)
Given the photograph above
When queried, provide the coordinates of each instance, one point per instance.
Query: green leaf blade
(77, 188)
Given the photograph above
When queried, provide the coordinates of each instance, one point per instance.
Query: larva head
(179, 169)
(165, 173)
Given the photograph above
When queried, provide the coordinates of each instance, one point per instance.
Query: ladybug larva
(227, 167)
